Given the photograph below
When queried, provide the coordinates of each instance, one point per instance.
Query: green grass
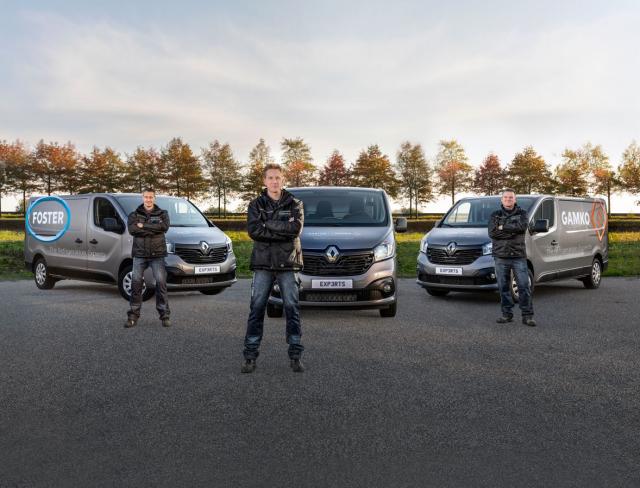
(624, 254)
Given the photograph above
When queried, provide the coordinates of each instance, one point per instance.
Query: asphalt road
(441, 395)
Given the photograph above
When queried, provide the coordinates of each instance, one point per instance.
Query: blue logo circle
(38, 202)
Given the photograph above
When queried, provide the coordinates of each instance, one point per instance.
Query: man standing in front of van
(274, 222)
(148, 225)
(507, 228)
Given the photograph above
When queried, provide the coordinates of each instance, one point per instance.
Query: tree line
(177, 170)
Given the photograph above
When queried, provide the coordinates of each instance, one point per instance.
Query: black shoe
(166, 322)
(296, 366)
(529, 321)
(130, 323)
(505, 319)
(249, 366)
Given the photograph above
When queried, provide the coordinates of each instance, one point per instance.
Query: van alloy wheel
(595, 277)
(124, 285)
(41, 273)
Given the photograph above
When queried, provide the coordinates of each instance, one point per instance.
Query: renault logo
(451, 248)
(332, 254)
(204, 247)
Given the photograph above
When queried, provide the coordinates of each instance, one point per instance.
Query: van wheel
(514, 286)
(389, 311)
(593, 280)
(124, 285)
(436, 292)
(41, 275)
(273, 311)
(211, 292)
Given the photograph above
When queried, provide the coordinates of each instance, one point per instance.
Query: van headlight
(384, 250)
(424, 245)
(487, 248)
(229, 243)
(170, 247)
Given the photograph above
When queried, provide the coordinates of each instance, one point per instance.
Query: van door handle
(93, 241)
(78, 240)
(554, 243)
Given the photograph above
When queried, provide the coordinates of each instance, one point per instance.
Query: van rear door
(68, 255)
(105, 248)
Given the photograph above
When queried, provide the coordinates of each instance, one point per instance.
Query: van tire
(274, 311)
(215, 291)
(41, 275)
(594, 279)
(124, 285)
(514, 292)
(389, 311)
(436, 292)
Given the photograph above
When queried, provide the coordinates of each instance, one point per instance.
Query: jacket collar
(285, 198)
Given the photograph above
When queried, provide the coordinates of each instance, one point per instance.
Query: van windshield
(343, 208)
(476, 212)
(182, 213)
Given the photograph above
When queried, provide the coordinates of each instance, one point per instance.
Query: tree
(334, 172)
(414, 175)
(529, 173)
(629, 170)
(299, 169)
(373, 169)
(604, 180)
(572, 174)
(454, 173)
(222, 172)
(253, 178)
(102, 171)
(183, 170)
(145, 169)
(4, 179)
(489, 177)
(55, 167)
(19, 167)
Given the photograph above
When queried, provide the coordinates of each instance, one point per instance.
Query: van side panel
(581, 235)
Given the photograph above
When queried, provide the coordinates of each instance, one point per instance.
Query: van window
(546, 211)
(102, 209)
(182, 213)
(476, 212)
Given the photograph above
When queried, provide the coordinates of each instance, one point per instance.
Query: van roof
(350, 188)
(539, 196)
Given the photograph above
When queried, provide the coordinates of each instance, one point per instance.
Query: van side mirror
(401, 224)
(111, 225)
(541, 225)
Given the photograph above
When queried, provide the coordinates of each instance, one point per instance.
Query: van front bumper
(182, 275)
(376, 288)
(477, 276)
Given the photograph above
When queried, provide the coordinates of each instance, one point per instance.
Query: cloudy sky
(496, 75)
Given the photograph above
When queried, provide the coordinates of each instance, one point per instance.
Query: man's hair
(508, 190)
(269, 166)
(149, 190)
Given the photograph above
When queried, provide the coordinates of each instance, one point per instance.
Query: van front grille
(461, 256)
(192, 254)
(348, 264)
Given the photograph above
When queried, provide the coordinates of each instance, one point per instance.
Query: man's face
(508, 199)
(149, 199)
(273, 181)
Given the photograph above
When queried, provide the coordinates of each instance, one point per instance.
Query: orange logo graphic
(599, 218)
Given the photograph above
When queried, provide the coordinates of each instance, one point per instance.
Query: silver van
(349, 250)
(97, 247)
(567, 238)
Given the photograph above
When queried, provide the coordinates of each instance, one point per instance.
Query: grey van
(349, 250)
(567, 238)
(97, 247)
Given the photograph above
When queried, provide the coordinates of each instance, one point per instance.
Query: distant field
(624, 254)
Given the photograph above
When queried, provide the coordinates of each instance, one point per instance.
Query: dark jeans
(260, 291)
(504, 268)
(160, 275)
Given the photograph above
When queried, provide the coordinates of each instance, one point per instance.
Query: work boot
(249, 366)
(505, 319)
(130, 323)
(166, 322)
(528, 320)
(296, 366)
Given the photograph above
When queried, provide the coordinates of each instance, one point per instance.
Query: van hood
(475, 236)
(345, 238)
(193, 235)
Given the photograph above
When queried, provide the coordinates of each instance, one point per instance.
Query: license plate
(332, 284)
(207, 269)
(448, 271)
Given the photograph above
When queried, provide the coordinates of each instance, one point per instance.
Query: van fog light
(492, 276)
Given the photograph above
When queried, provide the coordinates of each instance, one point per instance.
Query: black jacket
(275, 228)
(149, 241)
(508, 242)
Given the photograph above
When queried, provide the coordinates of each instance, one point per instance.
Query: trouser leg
(288, 282)
(503, 276)
(260, 290)
(524, 289)
(162, 297)
(137, 281)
